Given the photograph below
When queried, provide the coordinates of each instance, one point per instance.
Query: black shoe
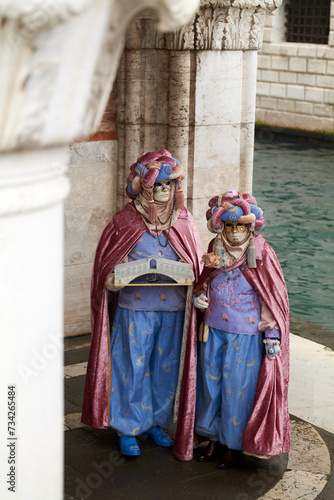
(208, 453)
(229, 459)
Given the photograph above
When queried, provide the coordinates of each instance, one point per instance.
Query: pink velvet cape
(117, 239)
(268, 429)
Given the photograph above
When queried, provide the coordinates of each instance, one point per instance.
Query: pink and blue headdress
(234, 206)
(152, 167)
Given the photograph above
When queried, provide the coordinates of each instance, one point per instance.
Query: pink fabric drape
(268, 428)
(118, 238)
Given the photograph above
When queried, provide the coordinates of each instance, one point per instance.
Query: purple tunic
(153, 298)
(234, 305)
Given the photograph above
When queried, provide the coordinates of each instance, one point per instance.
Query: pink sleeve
(267, 319)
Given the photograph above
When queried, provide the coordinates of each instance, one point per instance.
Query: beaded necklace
(239, 274)
(170, 215)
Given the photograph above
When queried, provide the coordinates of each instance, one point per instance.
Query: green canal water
(294, 186)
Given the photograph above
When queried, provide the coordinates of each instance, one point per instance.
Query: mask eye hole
(161, 185)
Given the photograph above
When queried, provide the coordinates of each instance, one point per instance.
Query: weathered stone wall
(88, 208)
(295, 84)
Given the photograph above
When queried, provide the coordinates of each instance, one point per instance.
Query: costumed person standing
(142, 363)
(243, 363)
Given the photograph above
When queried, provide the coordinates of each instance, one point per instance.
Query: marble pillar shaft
(32, 190)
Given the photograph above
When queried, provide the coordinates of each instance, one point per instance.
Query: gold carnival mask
(235, 232)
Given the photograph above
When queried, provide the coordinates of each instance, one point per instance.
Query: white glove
(272, 347)
(110, 283)
(201, 302)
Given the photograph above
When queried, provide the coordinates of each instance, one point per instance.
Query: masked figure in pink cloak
(243, 365)
(141, 371)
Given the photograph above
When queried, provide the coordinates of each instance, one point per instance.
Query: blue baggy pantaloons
(228, 371)
(145, 356)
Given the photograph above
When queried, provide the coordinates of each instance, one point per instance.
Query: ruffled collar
(225, 255)
(233, 253)
(165, 210)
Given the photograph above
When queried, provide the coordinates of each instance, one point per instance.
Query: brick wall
(295, 85)
(107, 128)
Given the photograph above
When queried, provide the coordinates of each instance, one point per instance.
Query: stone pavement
(94, 468)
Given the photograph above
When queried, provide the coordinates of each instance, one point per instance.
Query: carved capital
(35, 15)
(222, 25)
(269, 5)
(183, 39)
(60, 58)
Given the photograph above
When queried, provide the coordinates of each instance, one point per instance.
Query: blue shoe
(159, 437)
(128, 446)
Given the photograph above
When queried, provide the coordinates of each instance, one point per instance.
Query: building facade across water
(295, 84)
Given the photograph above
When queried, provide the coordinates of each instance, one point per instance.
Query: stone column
(58, 63)
(32, 190)
(210, 66)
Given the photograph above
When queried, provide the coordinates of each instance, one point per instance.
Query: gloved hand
(272, 347)
(201, 302)
(110, 283)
